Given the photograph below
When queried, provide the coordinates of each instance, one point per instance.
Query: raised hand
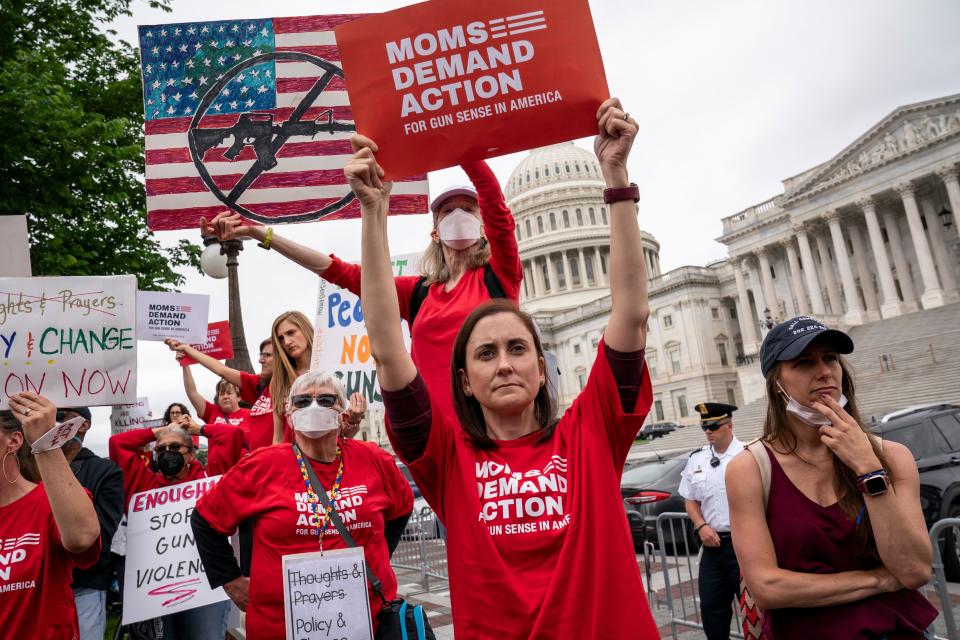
(845, 438)
(616, 133)
(36, 414)
(226, 226)
(364, 174)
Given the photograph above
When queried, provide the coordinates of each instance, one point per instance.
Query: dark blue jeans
(202, 623)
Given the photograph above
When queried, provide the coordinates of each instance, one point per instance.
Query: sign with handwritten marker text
(163, 573)
(341, 345)
(72, 340)
(125, 417)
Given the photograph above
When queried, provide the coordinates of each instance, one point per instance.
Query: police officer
(702, 486)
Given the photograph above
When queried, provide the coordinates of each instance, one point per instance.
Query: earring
(3, 464)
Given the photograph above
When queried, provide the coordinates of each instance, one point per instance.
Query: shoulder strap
(417, 296)
(762, 456)
(338, 523)
(494, 288)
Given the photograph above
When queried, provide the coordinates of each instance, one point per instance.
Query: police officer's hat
(712, 413)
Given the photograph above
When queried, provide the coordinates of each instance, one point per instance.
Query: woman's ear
(465, 382)
(543, 370)
(435, 235)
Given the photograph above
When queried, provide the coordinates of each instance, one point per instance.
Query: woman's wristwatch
(611, 195)
(874, 483)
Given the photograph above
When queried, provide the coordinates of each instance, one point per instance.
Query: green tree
(71, 142)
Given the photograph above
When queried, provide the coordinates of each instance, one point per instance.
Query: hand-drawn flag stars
(196, 55)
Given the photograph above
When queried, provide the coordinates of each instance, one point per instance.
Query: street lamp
(768, 322)
(946, 217)
(219, 260)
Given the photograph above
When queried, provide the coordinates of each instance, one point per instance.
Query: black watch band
(622, 193)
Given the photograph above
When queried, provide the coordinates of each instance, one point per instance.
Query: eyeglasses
(174, 448)
(304, 400)
(713, 427)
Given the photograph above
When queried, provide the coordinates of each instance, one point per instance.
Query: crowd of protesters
(825, 520)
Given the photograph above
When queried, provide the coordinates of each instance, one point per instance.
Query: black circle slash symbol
(267, 138)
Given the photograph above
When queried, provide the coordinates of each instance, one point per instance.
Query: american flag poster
(250, 116)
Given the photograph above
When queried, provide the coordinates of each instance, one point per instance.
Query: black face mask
(170, 463)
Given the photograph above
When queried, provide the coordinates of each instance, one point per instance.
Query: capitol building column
(748, 324)
(863, 272)
(941, 254)
(932, 292)
(829, 276)
(583, 268)
(769, 293)
(951, 179)
(900, 262)
(854, 314)
(810, 270)
(801, 306)
(891, 302)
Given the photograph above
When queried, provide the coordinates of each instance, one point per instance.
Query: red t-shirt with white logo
(36, 600)
(538, 544)
(266, 486)
(260, 415)
(213, 414)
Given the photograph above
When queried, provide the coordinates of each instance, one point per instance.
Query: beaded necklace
(314, 498)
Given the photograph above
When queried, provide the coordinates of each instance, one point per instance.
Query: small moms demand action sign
(172, 315)
(439, 83)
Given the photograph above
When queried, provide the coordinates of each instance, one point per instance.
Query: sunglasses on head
(175, 448)
(304, 400)
(712, 427)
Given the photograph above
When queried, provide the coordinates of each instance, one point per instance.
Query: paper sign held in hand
(58, 436)
(439, 83)
(325, 595)
(163, 315)
(219, 344)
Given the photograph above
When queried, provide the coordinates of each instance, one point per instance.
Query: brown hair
(849, 498)
(285, 369)
(264, 343)
(224, 385)
(468, 409)
(433, 264)
(27, 463)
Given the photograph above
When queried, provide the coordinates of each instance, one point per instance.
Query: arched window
(567, 164)
(574, 271)
(528, 177)
(577, 165)
(546, 275)
(556, 168)
(553, 221)
(529, 230)
(593, 216)
(546, 169)
(588, 263)
(539, 224)
(536, 173)
(566, 219)
(517, 231)
(579, 218)
(603, 215)
(561, 273)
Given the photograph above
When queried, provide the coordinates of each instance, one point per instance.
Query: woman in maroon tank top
(841, 547)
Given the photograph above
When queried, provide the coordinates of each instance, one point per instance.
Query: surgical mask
(170, 463)
(459, 229)
(316, 421)
(804, 413)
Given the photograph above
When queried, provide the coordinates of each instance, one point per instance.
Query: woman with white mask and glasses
(472, 257)
(274, 487)
(825, 517)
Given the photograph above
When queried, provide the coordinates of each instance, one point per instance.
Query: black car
(652, 488)
(933, 436)
(656, 430)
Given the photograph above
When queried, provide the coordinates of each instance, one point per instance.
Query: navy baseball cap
(788, 339)
(84, 412)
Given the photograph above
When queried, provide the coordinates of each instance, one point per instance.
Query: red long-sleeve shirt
(225, 449)
(443, 312)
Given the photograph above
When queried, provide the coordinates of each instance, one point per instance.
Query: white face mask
(459, 229)
(804, 413)
(316, 421)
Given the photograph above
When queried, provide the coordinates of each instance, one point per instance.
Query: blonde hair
(284, 369)
(433, 264)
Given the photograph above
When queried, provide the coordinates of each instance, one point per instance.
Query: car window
(650, 471)
(923, 439)
(949, 426)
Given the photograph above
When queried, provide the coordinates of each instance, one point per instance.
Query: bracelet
(266, 239)
(697, 530)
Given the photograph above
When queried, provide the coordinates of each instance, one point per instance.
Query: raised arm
(498, 227)
(190, 386)
(627, 328)
(771, 586)
(213, 365)
(231, 226)
(72, 508)
(381, 312)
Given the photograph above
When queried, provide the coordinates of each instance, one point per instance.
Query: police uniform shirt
(705, 484)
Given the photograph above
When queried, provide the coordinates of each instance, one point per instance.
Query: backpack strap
(494, 288)
(421, 289)
(762, 456)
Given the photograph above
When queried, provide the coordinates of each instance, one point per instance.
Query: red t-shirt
(213, 414)
(36, 600)
(266, 486)
(259, 422)
(536, 530)
(443, 312)
(225, 449)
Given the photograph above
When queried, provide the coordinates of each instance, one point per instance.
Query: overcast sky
(732, 97)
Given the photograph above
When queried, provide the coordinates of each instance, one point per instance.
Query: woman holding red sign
(46, 529)
(538, 545)
(472, 258)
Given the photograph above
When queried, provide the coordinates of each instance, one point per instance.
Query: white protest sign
(71, 339)
(163, 315)
(125, 417)
(341, 345)
(163, 572)
(325, 596)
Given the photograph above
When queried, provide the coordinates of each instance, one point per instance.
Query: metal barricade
(939, 574)
(681, 590)
(422, 548)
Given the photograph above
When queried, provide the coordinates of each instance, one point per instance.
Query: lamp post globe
(219, 260)
(213, 261)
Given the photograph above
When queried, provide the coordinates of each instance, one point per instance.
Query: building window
(556, 168)
(546, 170)
(652, 364)
(715, 312)
(593, 216)
(536, 173)
(680, 397)
(675, 359)
(576, 348)
(561, 275)
(883, 233)
(733, 313)
(731, 395)
(722, 348)
(603, 263)
(594, 343)
(577, 165)
(546, 275)
(567, 167)
(553, 221)
(528, 177)
(582, 379)
(579, 218)
(773, 273)
(529, 228)
(603, 215)
(540, 224)
(566, 219)
(658, 409)
(574, 271)
(588, 263)
(517, 231)
(668, 321)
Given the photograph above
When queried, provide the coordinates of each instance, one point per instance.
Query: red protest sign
(219, 345)
(439, 83)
